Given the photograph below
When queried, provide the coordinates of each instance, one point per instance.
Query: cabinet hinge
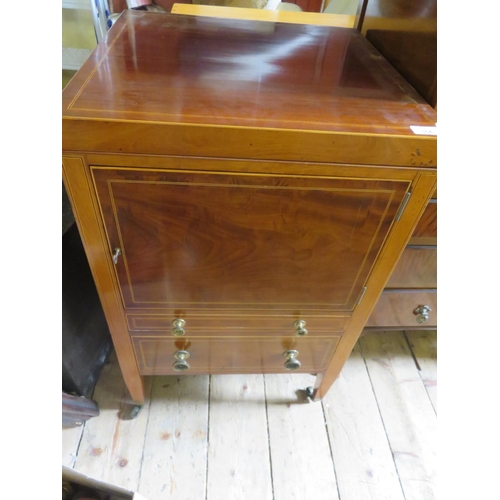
(361, 296)
(403, 206)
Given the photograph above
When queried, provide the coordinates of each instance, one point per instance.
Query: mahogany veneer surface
(251, 174)
(186, 69)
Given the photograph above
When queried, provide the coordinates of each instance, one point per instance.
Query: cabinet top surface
(192, 70)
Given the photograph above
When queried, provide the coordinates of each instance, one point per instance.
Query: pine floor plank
(406, 410)
(423, 343)
(111, 447)
(238, 460)
(361, 453)
(70, 440)
(301, 461)
(174, 465)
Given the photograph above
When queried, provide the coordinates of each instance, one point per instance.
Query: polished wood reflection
(187, 69)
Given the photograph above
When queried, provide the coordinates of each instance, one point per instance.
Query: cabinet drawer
(397, 308)
(155, 355)
(236, 325)
(417, 268)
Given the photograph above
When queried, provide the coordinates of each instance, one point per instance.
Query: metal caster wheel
(309, 392)
(135, 411)
(129, 412)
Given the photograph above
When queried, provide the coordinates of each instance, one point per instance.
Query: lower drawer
(400, 309)
(155, 355)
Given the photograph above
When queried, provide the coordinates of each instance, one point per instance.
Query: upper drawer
(417, 268)
(236, 325)
(248, 241)
(400, 309)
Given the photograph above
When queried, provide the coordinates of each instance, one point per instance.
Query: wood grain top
(189, 70)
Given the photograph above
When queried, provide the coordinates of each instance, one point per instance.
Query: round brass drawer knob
(422, 313)
(299, 325)
(181, 364)
(291, 362)
(178, 329)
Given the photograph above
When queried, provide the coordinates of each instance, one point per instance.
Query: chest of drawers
(243, 191)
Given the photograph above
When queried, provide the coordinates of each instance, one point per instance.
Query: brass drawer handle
(299, 325)
(422, 313)
(178, 329)
(181, 364)
(291, 362)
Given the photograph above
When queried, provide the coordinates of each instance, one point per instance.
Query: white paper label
(417, 129)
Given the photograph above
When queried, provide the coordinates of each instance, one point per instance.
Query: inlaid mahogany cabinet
(243, 191)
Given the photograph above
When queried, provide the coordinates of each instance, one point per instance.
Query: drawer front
(398, 309)
(237, 325)
(155, 355)
(417, 268)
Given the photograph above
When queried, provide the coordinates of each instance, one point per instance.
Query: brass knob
(181, 364)
(291, 362)
(422, 313)
(299, 325)
(178, 329)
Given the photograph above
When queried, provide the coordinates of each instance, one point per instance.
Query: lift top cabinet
(243, 191)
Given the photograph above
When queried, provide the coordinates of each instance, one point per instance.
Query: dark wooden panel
(395, 308)
(405, 33)
(417, 268)
(414, 55)
(184, 69)
(219, 324)
(427, 225)
(221, 355)
(244, 241)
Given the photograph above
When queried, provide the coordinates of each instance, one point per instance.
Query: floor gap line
(145, 432)
(268, 437)
(419, 372)
(208, 434)
(330, 446)
(412, 353)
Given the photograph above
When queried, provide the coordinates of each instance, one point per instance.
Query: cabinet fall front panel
(227, 241)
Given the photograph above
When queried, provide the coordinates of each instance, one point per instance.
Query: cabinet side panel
(79, 191)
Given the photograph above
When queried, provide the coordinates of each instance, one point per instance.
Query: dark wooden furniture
(405, 33)
(243, 191)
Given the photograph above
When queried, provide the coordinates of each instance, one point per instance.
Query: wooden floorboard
(238, 460)
(174, 461)
(112, 446)
(362, 456)
(71, 437)
(407, 412)
(423, 343)
(258, 437)
(302, 465)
